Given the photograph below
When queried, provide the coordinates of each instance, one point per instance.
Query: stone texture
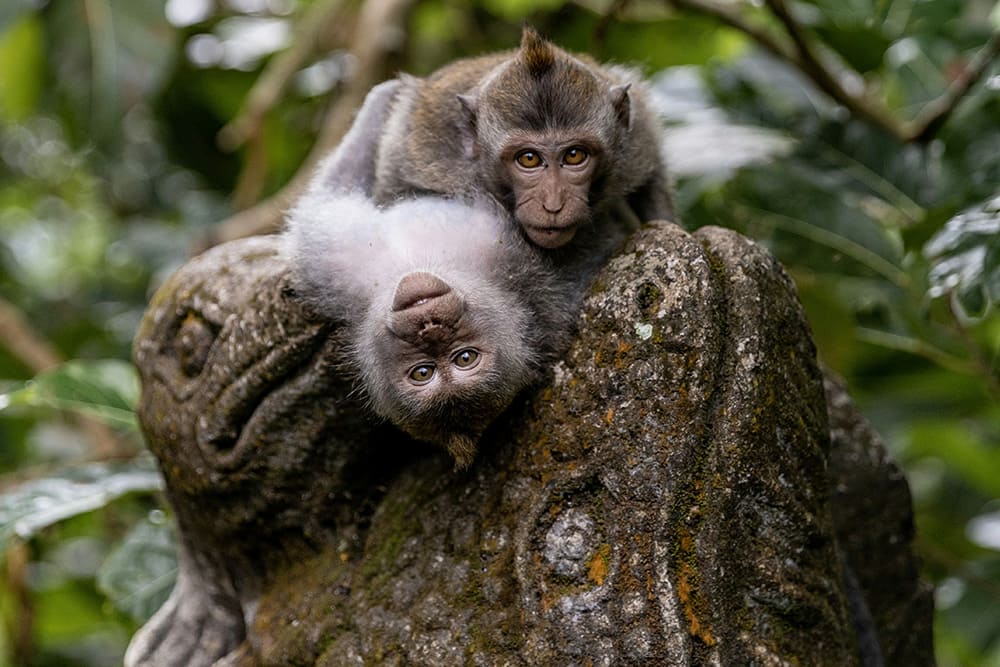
(665, 498)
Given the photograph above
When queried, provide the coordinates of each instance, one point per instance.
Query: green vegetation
(859, 141)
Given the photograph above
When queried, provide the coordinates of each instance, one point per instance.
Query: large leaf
(967, 452)
(811, 218)
(965, 260)
(699, 138)
(40, 503)
(139, 575)
(106, 389)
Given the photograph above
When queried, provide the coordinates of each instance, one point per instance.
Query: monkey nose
(553, 206)
(416, 288)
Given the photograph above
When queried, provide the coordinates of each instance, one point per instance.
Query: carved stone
(670, 497)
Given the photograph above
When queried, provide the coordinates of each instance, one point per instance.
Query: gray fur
(351, 167)
(430, 144)
(349, 256)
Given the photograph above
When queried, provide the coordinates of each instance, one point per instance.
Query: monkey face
(550, 176)
(439, 349)
(445, 363)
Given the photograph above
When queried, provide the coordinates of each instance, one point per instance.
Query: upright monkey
(554, 137)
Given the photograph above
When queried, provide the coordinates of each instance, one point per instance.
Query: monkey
(450, 311)
(552, 136)
(450, 314)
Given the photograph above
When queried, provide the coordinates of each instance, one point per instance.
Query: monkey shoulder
(420, 150)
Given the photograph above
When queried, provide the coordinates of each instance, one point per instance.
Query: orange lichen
(598, 569)
(621, 354)
(687, 594)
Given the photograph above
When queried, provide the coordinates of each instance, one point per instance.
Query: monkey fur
(451, 312)
(552, 136)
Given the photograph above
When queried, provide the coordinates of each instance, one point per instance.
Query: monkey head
(549, 125)
(451, 313)
(442, 361)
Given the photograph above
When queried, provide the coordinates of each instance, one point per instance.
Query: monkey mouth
(550, 236)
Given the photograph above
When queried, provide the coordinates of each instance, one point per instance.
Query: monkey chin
(549, 238)
(462, 448)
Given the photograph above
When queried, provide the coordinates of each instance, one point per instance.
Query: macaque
(450, 312)
(553, 137)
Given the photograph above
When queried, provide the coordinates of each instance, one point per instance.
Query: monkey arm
(351, 167)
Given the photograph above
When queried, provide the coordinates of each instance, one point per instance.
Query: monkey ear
(467, 124)
(622, 104)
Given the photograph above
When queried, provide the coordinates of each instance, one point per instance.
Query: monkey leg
(351, 167)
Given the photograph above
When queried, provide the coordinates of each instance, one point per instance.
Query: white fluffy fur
(362, 251)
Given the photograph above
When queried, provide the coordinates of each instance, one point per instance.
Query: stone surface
(665, 499)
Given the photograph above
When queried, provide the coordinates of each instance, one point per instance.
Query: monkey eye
(421, 374)
(466, 359)
(575, 156)
(529, 159)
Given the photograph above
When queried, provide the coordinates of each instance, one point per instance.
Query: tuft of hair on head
(462, 448)
(538, 55)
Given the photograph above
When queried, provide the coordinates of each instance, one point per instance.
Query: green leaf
(516, 10)
(862, 46)
(106, 389)
(968, 456)
(40, 503)
(21, 68)
(683, 40)
(965, 260)
(815, 222)
(139, 575)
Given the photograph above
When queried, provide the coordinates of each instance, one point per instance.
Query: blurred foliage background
(858, 139)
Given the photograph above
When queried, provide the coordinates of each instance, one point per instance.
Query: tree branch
(273, 81)
(380, 33)
(18, 337)
(38, 355)
(733, 19)
(799, 51)
(933, 116)
(812, 65)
